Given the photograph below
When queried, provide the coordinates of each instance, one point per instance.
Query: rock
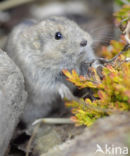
(108, 133)
(48, 136)
(12, 99)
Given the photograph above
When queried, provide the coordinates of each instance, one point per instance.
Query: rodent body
(42, 50)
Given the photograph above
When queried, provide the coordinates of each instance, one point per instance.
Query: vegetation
(112, 93)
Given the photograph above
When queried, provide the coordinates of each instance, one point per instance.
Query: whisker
(103, 33)
(104, 37)
(101, 42)
(101, 28)
(100, 39)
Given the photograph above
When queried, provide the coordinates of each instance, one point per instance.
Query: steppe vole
(42, 50)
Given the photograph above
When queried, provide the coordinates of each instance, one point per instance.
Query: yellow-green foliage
(123, 15)
(122, 2)
(113, 92)
(114, 48)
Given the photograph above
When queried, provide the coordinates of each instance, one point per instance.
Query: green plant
(113, 92)
(123, 15)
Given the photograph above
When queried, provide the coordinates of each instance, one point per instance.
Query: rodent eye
(58, 36)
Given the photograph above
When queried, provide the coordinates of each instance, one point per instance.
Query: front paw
(65, 92)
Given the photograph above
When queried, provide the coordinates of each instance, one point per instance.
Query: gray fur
(42, 58)
(12, 99)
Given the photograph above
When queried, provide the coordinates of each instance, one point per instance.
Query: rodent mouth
(82, 52)
(81, 55)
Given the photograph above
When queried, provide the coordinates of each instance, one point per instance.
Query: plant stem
(53, 121)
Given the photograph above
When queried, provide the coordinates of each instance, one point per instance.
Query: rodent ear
(30, 22)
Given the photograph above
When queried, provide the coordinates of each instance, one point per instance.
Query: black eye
(58, 36)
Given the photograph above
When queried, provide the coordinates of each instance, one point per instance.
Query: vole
(42, 50)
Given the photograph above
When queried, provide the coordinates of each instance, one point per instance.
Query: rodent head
(58, 41)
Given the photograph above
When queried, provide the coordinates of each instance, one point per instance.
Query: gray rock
(48, 136)
(112, 132)
(12, 99)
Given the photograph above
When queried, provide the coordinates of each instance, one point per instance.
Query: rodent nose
(83, 43)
